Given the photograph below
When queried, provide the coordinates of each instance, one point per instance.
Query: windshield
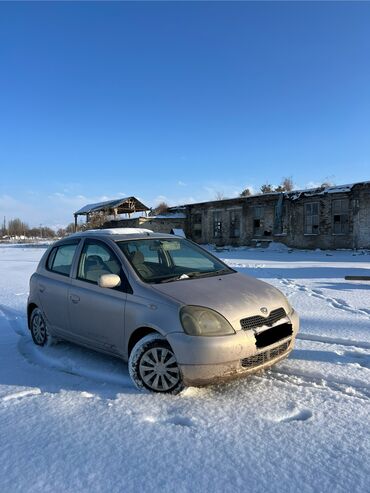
(166, 260)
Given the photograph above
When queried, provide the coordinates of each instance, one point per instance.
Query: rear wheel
(39, 331)
(152, 365)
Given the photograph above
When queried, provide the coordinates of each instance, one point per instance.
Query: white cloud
(161, 198)
(312, 184)
(227, 191)
(55, 209)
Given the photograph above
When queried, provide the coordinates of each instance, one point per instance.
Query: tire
(39, 331)
(153, 366)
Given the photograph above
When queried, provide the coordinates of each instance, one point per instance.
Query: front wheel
(152, 365)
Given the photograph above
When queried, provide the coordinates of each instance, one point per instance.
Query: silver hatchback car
(176, 313)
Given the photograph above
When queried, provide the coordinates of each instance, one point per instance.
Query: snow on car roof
(119, 231)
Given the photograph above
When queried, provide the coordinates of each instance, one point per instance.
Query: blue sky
(178, 101)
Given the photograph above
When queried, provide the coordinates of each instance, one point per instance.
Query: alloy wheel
(39, 329)
(158, 369)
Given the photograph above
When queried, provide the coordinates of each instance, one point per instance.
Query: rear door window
(61, 258)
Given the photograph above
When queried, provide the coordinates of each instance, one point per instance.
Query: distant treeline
(17, 228)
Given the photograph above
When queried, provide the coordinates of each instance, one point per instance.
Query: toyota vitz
(176, 313)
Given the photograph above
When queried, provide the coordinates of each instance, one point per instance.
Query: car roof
(119, 234)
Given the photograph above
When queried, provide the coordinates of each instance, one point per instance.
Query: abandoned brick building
(327, 218)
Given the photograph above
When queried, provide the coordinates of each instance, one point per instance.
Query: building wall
(158, 225)
(326, 237)
(361, 219)
(199, 220)
(342, 219)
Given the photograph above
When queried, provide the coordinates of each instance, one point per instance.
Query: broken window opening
(340, 212)
(258, 223)
(311, 218)
(234, 224)
(217, 225)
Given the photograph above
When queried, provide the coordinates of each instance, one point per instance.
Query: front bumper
(207, 360)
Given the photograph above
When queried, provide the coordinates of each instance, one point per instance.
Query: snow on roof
(341, 188)
(118, 231)
(110, 204)
(293, 195)
(296, 194)
(98, 205)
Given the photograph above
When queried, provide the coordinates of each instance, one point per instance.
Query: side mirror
(109, 281)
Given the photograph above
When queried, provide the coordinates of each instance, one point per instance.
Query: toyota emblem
(264, 310)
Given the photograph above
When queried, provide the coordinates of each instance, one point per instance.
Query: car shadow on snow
(61, 366)
(346, 286)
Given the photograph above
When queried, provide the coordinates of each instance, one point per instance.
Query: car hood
(235, 296)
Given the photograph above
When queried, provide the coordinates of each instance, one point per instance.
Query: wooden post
(75, 222)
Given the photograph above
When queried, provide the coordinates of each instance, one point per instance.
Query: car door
(53, 284)
(97, 314)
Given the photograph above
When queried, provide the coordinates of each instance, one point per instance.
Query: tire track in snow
(93, 370)
(16, 320)
(357, 355)
(333, 341)
(349, 389)
(336, 303)
(333, 302)
(76, 362)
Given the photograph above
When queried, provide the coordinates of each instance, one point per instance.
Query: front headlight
(200, 321)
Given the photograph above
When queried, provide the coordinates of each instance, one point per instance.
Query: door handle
(74, 298)
(41, 288)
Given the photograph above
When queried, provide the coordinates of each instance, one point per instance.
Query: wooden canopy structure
(126, 205)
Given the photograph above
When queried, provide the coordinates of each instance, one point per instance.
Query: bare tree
(287, 183)
(61, 232)
(161, 208)
(71, 228)
(245, 193)
(3, 230)
(47, 232)
(219, 196)
(327, 184)
(33, 233)
(267, 188)
(16, 227)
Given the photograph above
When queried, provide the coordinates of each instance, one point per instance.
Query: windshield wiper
(215, 272)
(179, 277)
(194, 274)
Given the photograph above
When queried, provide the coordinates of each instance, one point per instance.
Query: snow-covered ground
(70, 419)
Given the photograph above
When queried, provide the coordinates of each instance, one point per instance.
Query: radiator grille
(261, 358)
(258, 321)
